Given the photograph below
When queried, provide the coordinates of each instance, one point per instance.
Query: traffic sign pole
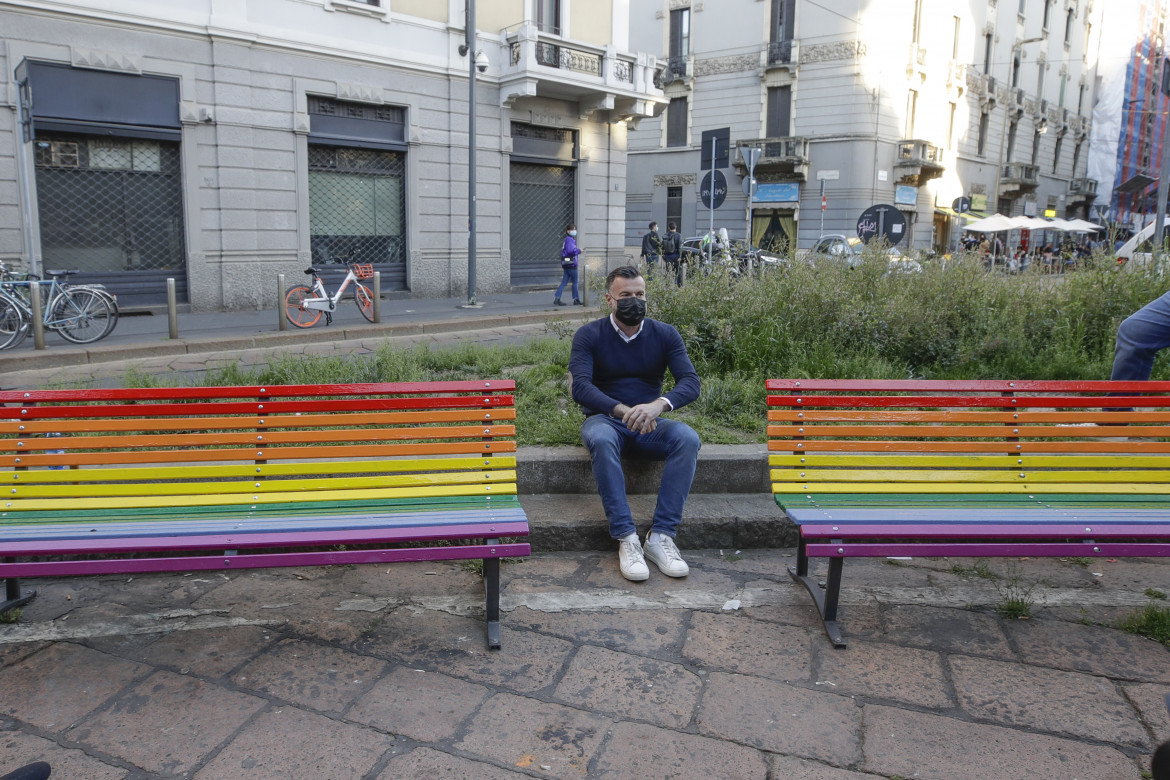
(711, 206)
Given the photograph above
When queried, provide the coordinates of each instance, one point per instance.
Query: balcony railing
(1019, 173)
(918, 152)
(1083, 187)
(779, 53)
(675, 70)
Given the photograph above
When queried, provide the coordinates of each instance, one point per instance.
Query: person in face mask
(569, 254)
(617, 365)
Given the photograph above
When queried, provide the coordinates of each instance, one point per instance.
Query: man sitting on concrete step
(617, 366)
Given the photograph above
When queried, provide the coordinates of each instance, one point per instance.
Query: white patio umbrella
(1031, 223)
(1083, 226)
(1057, 223)
(996, 223)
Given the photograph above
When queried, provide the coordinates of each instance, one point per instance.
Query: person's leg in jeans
(572, 272)
(677, 444)
(1139, 338)
(606, 438)
(564, 281)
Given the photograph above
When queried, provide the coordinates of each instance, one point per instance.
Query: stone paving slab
(381, 671)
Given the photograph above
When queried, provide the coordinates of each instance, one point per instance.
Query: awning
(1136, 183)
(969, 216)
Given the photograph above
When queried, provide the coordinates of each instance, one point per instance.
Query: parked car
(849, 249)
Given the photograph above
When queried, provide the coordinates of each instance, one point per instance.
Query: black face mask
(630, 311)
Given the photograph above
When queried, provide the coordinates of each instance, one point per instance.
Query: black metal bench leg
(824, 599)
(491, 584)
(12, 594)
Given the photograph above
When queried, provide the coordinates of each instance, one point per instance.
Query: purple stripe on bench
(259, 561)
(988, 550)
(915, 531)
(244, 540)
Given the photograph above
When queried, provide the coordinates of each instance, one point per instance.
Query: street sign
(750, 186)
(722, 138)
(961, 204)
(751, 156)
(881, 220)
(720, 189)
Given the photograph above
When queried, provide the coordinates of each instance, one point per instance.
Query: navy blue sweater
(607, 370)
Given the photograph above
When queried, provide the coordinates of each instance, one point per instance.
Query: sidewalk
(142, 340)
(381, 672)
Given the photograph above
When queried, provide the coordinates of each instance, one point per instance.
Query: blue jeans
(607, 439)
(570, 275)
(1139, 338)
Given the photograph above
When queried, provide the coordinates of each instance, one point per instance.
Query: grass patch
(952, 321)
(11, 616)
(1015, 598)
(978, 569)
(1154, 593)
(1152, 621)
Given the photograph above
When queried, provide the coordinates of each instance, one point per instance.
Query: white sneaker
(661, 549)
(630, 559)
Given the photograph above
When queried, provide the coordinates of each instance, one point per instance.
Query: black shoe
(558, 302)
(577, 302)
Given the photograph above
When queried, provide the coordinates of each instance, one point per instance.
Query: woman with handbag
(569, 254)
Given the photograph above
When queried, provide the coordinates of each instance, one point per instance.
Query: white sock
(633, 538)
(656, 536)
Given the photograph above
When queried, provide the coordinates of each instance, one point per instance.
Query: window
(1063, 84)
(917, 31)
(779, 112)
(548, 16)
(982, 142)
(676, 122)
(911, 108)
(1023, 7)
(1056, 153)
(1080, 98)
(1016, 69)
(780, 28)
(1047, 8)
(1041, 66)
(1011, 141)
(674, 206)
(951, 128)
(1068, 25)
(1036, 147)
(987, 38)
(680, 33)
(955, 40)
(1076, 158)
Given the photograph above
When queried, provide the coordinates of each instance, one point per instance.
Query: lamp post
(476, 60)
(1003, 130)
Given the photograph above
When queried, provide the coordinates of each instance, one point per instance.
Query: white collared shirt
(622, 333)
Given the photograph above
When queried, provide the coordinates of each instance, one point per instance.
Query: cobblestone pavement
(382, 672)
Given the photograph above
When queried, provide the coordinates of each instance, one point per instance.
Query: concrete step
(723, 468)
(723, 521)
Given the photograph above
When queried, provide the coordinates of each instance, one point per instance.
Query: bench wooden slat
(811, 460)
(32, 427)
(942, 401)
(907, 476)
(781, 488)
(1071, 549)
(965, 431)
(283, 485)
(1020, 417)
(1060, 386)
(256, 470)
(1007, 447)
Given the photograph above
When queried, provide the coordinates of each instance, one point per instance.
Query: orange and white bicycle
(303, 305)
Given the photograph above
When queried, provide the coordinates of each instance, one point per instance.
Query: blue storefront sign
(778, 192)
(906, 195)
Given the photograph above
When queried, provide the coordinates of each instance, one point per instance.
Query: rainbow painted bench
(892, 468)
(206, 478)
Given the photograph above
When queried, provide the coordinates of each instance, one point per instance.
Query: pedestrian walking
(672, 249)
(651, 246)
(570, 252)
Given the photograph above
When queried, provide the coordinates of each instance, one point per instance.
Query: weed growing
(1152, 621)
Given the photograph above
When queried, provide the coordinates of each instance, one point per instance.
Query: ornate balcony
(785, 159)
(917, 162)
(540, 65)
(1016, 178)
(1082, 190)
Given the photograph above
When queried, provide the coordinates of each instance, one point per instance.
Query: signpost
(751, 156)
(881, 221)
(715, 152)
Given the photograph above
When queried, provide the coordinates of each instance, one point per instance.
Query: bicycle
(81, 313)
(303, 305)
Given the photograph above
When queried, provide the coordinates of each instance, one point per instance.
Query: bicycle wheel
(80, 315)
(364, 300)
(295, 310)
(13, 325)
(109, 298)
